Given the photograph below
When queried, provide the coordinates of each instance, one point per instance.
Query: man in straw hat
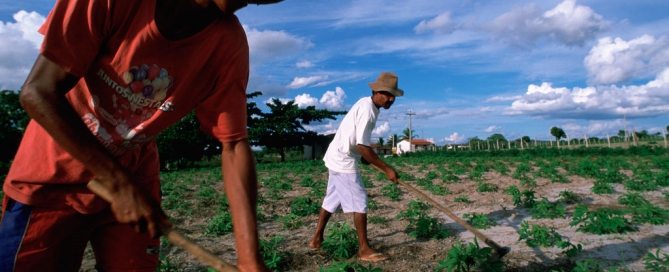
(350, 145)
(110, 76)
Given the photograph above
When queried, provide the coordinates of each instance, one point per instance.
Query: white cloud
(381, 130)
(266, 45)
(304, 100)
(616, 60)
(567, 23)
(493, 128)
(20, 42)
(304, 64)
(442, 24)
(455, 138)
(299, 82)
(333, 100)
(590, 103)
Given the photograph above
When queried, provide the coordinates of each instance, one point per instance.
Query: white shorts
(345, 190)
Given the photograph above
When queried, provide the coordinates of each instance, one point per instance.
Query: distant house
(316, 145)
(415, 145)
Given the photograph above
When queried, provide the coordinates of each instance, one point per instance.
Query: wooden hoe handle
(176, 238)
(501, 251)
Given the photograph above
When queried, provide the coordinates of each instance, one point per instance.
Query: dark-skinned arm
(240, 180)
(43, 97)
(370, 156)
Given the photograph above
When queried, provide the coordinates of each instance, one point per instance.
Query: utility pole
(410, 114)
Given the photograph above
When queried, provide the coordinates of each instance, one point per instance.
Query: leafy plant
(463, 199)
(601, 221)
(547, 209)
(470, 257)
(658, 262)
(421, 225)
(392, 191)
(291, 221)
(479, 221)
(274, 258)
(341, 241)
(303, 206)
(521, 199)
(569, 197)
(486, 187)
(537, 235)
(220, 224)
(379, 220)
(587, 265)
(602, 188)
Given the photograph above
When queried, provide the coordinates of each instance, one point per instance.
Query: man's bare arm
(370, 156)
(239, 175)
(43, 97)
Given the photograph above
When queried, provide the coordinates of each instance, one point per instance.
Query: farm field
(594, 209)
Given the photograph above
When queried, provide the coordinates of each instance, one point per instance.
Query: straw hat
(387, 82)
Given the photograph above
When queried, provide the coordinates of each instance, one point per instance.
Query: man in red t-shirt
(110, 76)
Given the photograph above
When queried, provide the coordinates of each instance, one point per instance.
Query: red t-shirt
(135, 83)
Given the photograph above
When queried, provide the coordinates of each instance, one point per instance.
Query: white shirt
(356, 128)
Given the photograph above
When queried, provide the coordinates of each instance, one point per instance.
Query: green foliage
(307, 181)
(542, 236)
(601, 221)
(13, 120)
(341, 241)
(521, 199)
(303, 206)
(642, 210)
(483, 187)
(274, 258)
(291, 221)
(587, 265)
(479, 221)
(421, 225)
(344, 266)
(601, 188)
(658, 262)
(220, 224)
(547, 209)
(392, 191)
(569, 197)
(379, 220)
(184, 143)
(470, 257)
(462, 199)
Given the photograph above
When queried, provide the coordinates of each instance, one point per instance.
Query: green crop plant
(431, 175)
(341, 241)
(344, 266)
(602, 188)
(392, 191)
(379, 220)
(523, 169)
(542, 236)
(307, 182)
(569, 197)
(274, 258)
(448, 176)
(642, 210)
(501, 168)
(421, 225)
(469, 257)
(483, 187)
(521, 199)
(371, 204)
(587, 265)
(462, 199)
(658, 262)
(479, 221)
(220, 224)
(601, 221)
(547, 209)
(291, 221)
(303, 206)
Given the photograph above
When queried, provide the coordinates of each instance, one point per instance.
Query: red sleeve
(74, 32)
(223, 114)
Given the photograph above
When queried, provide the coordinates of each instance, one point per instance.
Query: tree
(381, 141)
(393, 139)
(406, 134)
(13, 120)
(497, 137)
(283, 128)
(184, 143)
(558, 133)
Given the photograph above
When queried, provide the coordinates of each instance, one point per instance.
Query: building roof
(420, 142)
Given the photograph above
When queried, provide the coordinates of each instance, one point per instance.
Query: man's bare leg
(360, 222)
(317, 240)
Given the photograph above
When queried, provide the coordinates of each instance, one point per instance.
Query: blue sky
(468, 68)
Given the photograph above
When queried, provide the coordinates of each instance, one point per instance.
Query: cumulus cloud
(455, 138)
(267, 45)
(333, 100)
(20, 42)
(304, 100)
(590, 103)
(299, 82)
(568, 23)
(442, 24)
(381, 130)
(616, 60)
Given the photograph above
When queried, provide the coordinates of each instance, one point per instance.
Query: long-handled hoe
(499, 250)
(176, 238)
